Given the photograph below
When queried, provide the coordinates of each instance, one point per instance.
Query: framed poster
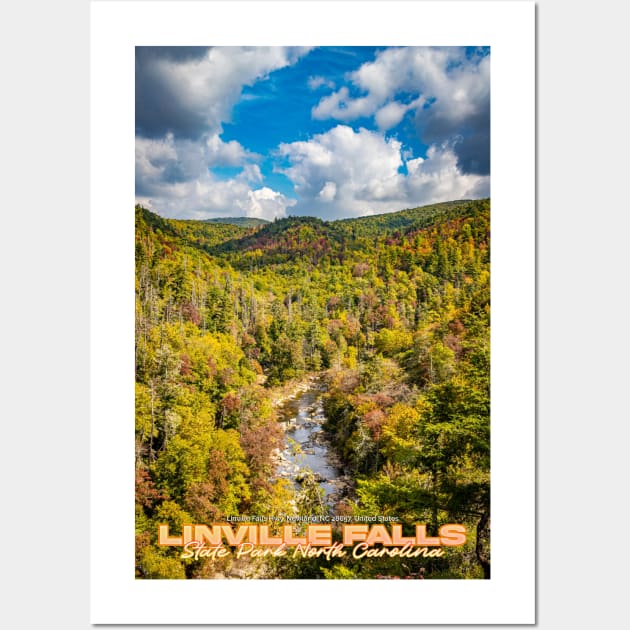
(301, 398)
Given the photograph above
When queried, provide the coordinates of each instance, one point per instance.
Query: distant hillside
(314, 241)
(404, 219)
(201, 234)
(284, 238)
(311, 238)
(247, 222)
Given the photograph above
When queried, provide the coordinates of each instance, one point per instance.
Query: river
(306, 444)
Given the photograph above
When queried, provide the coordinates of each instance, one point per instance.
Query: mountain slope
(246, 222)
(392, 311)
(409, 218)
(314, 240)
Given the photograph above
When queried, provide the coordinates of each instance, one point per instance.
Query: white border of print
(116, 596)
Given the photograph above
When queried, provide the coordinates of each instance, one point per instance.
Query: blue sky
(329, 132)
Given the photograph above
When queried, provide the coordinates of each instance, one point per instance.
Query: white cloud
(266, 203)
(208, 197)
(182, 103)
(222, 153)
(349, 173)
(340, 106)
(438, 178)
(328, 192)
(177, 160)
(458, 84)
(314, 83)
(172, 177)
(452, 93)
(193, 97)
(357, 166)
(391, 114)
(251, 173)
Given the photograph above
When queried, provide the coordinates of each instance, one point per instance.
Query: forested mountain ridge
(199, 234)
(315, 238)
(403, 219)
(240, 221)
(395, 309)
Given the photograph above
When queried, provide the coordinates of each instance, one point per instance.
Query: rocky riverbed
(307, 445)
